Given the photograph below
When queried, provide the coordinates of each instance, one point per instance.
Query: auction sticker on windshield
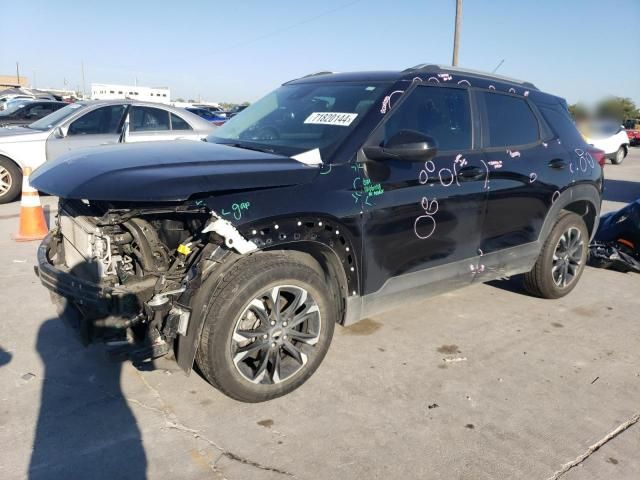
(331, 118)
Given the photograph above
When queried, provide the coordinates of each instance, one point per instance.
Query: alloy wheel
(567, 257)
(5, 181)
(276, 334)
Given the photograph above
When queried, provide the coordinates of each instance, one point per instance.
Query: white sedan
(89, 124)
(609, 137)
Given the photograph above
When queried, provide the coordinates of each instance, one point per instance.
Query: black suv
(334, 198)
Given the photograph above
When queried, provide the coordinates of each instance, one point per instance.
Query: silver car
(88, 124)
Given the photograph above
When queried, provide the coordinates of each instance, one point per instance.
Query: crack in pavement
(593, 448)
(172, 422)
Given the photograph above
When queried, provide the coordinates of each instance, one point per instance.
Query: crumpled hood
(165, 171)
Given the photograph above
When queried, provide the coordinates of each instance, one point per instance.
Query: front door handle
(557, 163)
(470, 173)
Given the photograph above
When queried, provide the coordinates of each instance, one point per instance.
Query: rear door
(99, 126)
(148, 124)
(525, 169)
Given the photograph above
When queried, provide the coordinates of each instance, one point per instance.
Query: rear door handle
(470, 173)
(557, 163)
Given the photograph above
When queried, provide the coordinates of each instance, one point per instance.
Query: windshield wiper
(249, 147)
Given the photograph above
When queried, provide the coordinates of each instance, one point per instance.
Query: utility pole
(82, 67)
(456, 34)
(18, 72)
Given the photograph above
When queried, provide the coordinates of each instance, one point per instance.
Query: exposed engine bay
(149, 261)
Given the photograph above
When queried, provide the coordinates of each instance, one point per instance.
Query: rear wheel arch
(584, 200)
(586, 210)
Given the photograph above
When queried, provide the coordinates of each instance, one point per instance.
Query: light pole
(456, 34)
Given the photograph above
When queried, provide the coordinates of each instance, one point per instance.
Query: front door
(422, 220)
(100, 126)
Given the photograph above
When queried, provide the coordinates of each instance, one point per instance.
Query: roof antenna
(498, 66)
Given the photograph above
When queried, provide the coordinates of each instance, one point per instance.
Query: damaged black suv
(334, 198)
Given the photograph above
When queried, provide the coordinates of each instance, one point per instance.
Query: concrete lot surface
(483, 383)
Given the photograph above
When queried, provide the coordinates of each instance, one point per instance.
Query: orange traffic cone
(32, 223)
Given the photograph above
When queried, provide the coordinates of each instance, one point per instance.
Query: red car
(632, 127)
(634, 136)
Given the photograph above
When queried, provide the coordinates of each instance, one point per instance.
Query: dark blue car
(208, 115)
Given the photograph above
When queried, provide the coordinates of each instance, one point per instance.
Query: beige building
(8, 81)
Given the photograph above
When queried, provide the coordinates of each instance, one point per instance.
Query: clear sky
(239, 50)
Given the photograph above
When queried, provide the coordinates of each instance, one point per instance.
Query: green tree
(617, 108)
(578, 111)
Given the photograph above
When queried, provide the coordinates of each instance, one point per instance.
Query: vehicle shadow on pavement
(621, 191)
(85, 427)
(5, 357)
(513, 285)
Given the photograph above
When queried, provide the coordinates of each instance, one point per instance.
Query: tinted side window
(511, 121)
(146, 119)
(178, 123)
(560, 121)
(104, 120)
(440, 112)
(43, 109)
(35, 111)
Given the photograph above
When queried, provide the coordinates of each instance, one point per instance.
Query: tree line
(614, 108)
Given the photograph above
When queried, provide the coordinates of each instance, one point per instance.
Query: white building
(106, 91)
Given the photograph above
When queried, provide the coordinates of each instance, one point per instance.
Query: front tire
(10, 180)
(561, 260)
(619, 157)
(268, 326)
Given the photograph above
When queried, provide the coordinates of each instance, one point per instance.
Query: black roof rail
(317, 73)
(309, 75)
(430, 67)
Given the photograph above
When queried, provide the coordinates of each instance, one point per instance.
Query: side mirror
(406, 145)
(58, 132)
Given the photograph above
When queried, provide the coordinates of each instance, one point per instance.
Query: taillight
(598, 155)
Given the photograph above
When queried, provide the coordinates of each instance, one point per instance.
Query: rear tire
(621, 153)
(561, 260)
(254, 349)
(10, 180)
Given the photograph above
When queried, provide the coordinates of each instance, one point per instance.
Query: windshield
(296, 118)
(53, 119)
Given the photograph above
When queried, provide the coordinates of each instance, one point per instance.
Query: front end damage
(126, 276)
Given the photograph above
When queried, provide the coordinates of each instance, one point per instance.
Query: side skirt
(415, 286)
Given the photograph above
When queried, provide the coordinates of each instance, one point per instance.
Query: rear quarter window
(561, 123)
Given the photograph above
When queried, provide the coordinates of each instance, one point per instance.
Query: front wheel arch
(331, 265)
(217, 304)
